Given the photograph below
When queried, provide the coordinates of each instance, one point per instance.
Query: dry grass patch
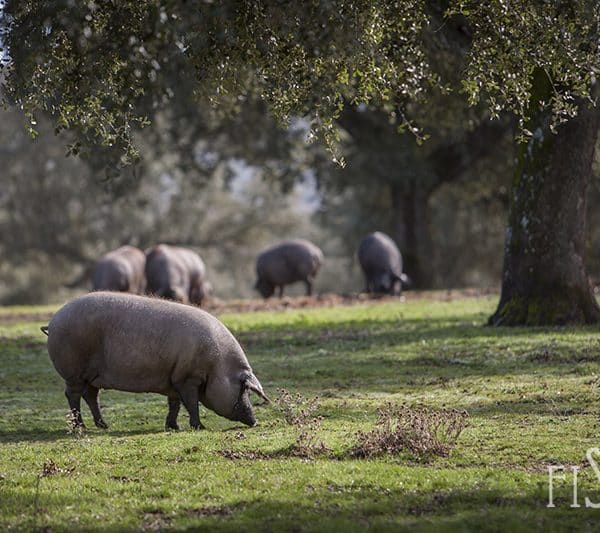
(301, 413)
(420, 431)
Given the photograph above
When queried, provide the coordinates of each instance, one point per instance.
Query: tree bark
(544, 276)
(410, 229)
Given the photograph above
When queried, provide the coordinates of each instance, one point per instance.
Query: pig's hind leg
(90, 395)
(308, 284)
(73, 391)
(188, 392)
(174, 405)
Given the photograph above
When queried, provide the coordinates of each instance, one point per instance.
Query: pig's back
(133, 343)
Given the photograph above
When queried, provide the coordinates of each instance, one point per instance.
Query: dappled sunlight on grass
(531, 396)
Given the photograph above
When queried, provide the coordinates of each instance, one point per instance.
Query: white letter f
(551, 476)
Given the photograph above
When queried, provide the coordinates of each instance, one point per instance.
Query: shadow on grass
(536, 405)
(356, 507)
(31, 435)
(397, 330)
(22, 510)
(332, 506)
(374, 355)
(27, 434)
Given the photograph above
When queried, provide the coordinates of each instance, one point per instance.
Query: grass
(532, 396)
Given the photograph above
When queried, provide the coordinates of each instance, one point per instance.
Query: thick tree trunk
(411, 231)
(544, 276)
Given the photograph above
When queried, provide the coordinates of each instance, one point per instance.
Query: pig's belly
(142, 384)
(137, 374)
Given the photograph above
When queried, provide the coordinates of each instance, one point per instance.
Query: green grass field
(532, 396)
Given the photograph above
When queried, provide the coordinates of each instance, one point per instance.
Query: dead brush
(300, 412)
(420, 431)
(72, 427)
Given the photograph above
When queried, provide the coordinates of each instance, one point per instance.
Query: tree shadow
(476, 503)
(356, 507)
(309, 356)
(399, 330)
(27, 510)
(536, 405)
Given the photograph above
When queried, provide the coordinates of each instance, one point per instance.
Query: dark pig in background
(121, 270)
(177, 274)
(287, 262)
(381, 263)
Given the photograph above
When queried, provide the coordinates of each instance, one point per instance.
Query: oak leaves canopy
(101, 68)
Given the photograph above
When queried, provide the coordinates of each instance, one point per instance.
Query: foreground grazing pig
(176, 273)
(120, 270)
(287, 262)
(381, 263)
(107, 340)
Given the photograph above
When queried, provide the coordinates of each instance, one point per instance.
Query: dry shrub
(72, 427)
(296, 409)
(420, 431)
(236, 455)
(156, 521)
(50, 468)
(202, 512)
(300, 412)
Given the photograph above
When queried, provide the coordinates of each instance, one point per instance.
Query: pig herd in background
(170, 272)
(179, 274)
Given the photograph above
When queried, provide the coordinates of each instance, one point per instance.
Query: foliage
(103, 68)
(513, 40)
(58, 214)
(526, 412)
(100, 66)
(394, 185)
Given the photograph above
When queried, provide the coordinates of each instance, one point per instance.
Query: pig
(120, 270)
(287, 262)
(109, 340)
(177, 274)
(381, 263)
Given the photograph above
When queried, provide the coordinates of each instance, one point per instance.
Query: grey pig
(381, 263)
(287, 262)
(120, 270)
(108, 340)
(177, 274)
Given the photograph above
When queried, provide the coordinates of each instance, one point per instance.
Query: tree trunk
(544, 277)
(410, 229)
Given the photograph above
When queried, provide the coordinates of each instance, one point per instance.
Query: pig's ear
(251, 382)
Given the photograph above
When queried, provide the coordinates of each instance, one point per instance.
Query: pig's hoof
(171, 427)
(101, 424)
(197, 427)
